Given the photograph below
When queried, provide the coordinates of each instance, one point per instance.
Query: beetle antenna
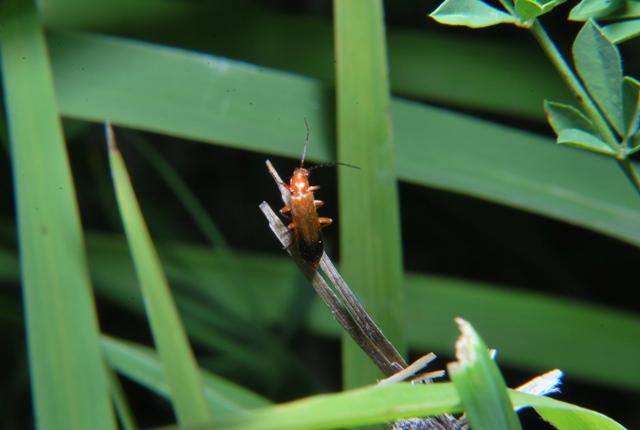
(304, 153)
(332, 164)
(306, 143)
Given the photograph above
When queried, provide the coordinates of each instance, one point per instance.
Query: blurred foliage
(499, 225)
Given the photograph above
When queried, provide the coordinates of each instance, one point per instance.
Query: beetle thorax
(299, 181)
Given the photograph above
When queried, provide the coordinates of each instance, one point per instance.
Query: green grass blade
(544, 331)
(363, 406)
(68, 379)
(371, 254)
(481, 82)
(142, 365)
(466, 155)
(374, 404)
(480, 384)
(201, 218)
(182, 193)
(564, 416)
(168, 333)
(238, 104)
(160, 89)
(218, 319)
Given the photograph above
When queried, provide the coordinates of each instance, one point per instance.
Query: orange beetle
(306, 223)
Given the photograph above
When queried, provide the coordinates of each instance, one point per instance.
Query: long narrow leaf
(160, 89)
(480, 81)
(376, 404)
(370, 233)
(184, 381)
(68, 380)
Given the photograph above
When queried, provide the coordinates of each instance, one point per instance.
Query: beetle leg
(284, 210)
(314, 188)
(318, 203)
(324, 221)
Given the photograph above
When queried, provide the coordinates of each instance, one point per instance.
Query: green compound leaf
(584, 140)
(528, 9)
(599, 65)
(562, 117)
(472, 13)
(588, 9)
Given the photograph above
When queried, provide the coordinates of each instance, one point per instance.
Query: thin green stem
(585, 100)
(574, 84)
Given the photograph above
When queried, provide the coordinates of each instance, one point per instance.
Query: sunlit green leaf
(584, 140)
(599, 65)
(562, 117)
(564, 416)
(471, 13)
(619, 32)
(587, 9)
(528, 9)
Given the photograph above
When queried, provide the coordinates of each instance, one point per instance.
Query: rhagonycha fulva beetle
(306, 223)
